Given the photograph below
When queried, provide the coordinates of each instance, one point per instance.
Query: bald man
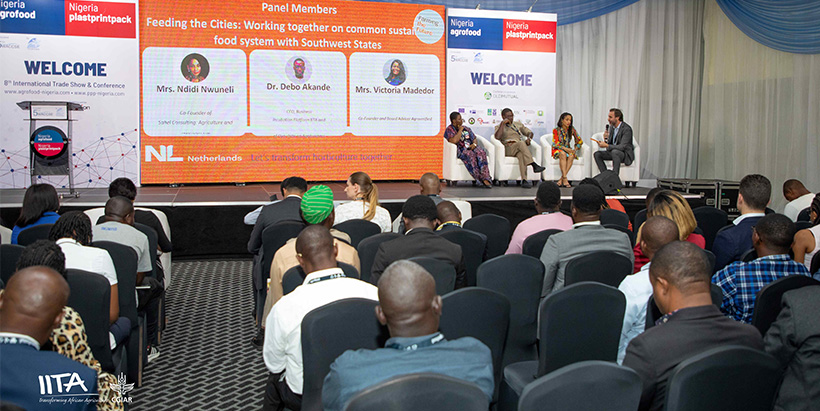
(410, 308)
(32, 306)
(325, 283)
(449, 216)
(430, 186)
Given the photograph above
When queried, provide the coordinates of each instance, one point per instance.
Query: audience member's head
(593, 182)
(43, 252)
(122, 187)
(587, 203)
(408, 303)
(430, 184)
(73, 224)
(39, 199)
(651, 194)
(755, 193)
(419, 211)
(673, 206)
(680, 274)
(814, 210)
(792, 189)
(361, 187)
(315, 249)
(293, 186)
(447, 212)
(657, 232)
(33, 302)
(773, 234)
(119, 209)
(548, 197)
(317, 206)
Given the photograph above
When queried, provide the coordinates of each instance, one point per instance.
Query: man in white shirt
(325, 283)
(657, 232)
(799, 198)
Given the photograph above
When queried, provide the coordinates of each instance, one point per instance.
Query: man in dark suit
(691, 325)
(617, 142)
(32, 306)
(420, 215)
(731, 243)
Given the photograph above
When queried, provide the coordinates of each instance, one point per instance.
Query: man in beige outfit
(516, 139)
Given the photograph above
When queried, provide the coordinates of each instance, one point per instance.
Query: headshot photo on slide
(298, 69)
(394, 72)
(195, 67)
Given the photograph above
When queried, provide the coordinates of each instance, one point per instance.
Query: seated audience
(40, 205)
(792, 340)
(410, 308)
(468, 150)
(672, 205)
(548, 207)
(609, 203)
(516, 138)
(740, 282)
(798, 196)
(691, 323)
(587, 235)
(325, 283)
(752, 199)
(420, 215)
(253, 216)
(365, 205)
(126, 188)
(658, 231)
(286, 210)
(449, 216)
(807, 241)
(30, 308)
(430, 185)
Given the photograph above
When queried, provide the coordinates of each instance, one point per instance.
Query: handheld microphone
(607, 126)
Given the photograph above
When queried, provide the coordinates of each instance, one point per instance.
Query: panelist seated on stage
(473, 155)
(617, 142)
(566, 145)
(516, 139)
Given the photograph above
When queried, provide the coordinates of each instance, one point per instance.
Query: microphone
(607, 127)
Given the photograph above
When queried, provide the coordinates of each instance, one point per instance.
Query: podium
(50, 145)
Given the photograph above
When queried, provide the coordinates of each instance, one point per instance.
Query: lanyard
(327, 277)
(437, 337)
(16, 340)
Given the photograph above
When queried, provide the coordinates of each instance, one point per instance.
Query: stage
(207, 220)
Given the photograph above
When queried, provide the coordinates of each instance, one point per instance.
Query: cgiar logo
(122, 386)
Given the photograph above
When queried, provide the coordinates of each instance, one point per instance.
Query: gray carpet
(206, 361)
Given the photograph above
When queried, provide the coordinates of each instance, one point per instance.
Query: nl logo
(165, 153)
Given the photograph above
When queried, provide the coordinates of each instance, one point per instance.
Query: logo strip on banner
(71, 18)
(501, 34)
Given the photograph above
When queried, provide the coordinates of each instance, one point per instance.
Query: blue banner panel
(33, 17)
(475, 33)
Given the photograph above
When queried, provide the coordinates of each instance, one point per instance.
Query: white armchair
(506, 168)
(580, 167)
(454, 169)
(628, 173)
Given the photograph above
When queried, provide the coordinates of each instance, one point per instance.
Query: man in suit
(617, 142)
(32, 306)
(691, 325)
(516, 138)
(587, 235)
(731, 243)
(420, 215)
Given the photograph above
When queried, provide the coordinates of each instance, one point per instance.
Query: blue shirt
(741, 282)
(465, 358)
(49, 217)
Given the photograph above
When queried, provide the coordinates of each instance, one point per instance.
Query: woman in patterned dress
(565, 146)
(473, 156)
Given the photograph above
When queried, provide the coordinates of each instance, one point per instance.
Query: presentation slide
(261, 90)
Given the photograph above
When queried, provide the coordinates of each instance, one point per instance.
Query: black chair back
(710, 220)
(618, 217)
(295, 276)
(768, 300)
(442, 272)
(640, 218)
(586, 385)
(479, 313)
(578, 323)
(358, 229)
(329, 331)
(273, 238)
(749, 255)
(473, 248)
(520, 278)
(496, 228)
(367, 249)
(423, 391)
(624, 230)
(153, 239)
(724, 378)
(9, 254)
(32, 234)
(712, 259)
(815, 264)
(91, 298)
(605, 267)
(804, 215)
(802, 225)
(534, 244)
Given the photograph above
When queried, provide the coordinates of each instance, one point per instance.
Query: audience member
(516, 138)
(40, 205)
(410, 308)
(587, 235)
(253, 216)
(126, 188)
(672, 205)
(798, 197)
(793, 341)
(365, 205)
(730, 244)
(740, 282)
(325, 283)
(449, 216)
(658, 231)
(548, 207)
(30, 308)
(691, 323)
(807, 241)
(609, 203)
(420, 215)
(430, 185)
(286, 210)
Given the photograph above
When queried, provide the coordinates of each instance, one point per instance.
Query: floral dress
(561, 139)
(475, 159)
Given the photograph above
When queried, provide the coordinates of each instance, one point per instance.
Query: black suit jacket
(624, 138)
(419, 242)
(690, 331)
(285, 210)
(731, 243)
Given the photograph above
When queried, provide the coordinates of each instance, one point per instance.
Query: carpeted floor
(206, 361)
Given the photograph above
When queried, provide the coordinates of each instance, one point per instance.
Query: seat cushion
(518, 375)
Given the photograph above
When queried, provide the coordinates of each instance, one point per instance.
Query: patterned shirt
(741, 282)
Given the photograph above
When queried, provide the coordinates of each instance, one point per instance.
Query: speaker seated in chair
(565, 154)
(458, 153)
(628, 173)
(516, 151)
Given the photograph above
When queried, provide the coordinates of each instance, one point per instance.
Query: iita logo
(62, 384)
(488, 95)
